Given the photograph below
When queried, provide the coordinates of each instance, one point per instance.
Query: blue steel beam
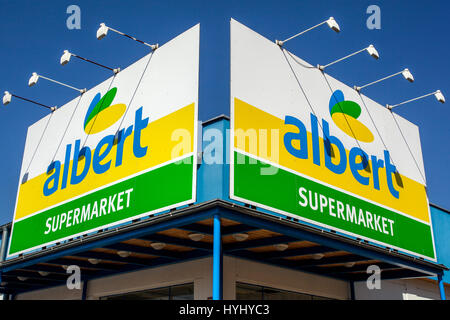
(236, 246)
(309, 266)
(441, 287)
(323, 261)
(208, 230)
(298, 252)
(32, 282)
(163, 225)
(145, 250)
(132, 234)
(217, 260)
(85, 264)
(47, 268)
(391, 274)
(340, 272)
(264, 221)
(179, 241)
(250, 256)
(14, 274)
(357, 268)
(116, 258)
(106, 273)
(198, 228)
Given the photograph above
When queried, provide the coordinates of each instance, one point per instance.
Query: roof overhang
(340, 257)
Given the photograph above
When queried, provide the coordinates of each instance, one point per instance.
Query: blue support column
(5, 295)
(3, 248)
(441, 287)
(217, 260)
(84, 293)
(352, 290)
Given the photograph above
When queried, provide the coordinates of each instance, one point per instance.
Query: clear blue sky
(413, 34)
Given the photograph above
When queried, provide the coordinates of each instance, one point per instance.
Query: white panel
(280, 83)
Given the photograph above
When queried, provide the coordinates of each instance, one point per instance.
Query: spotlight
(196, 236)
(124, 254)
(281, 246)
(240, 236)
(94, 261)
(318, 256)
(157, 245)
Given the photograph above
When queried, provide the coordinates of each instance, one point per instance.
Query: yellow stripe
(251, 123)
(157, 136)
(105, 118)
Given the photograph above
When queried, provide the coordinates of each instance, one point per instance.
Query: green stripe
(281, 191)
(349, 108)
(102, 104)
(152, 190)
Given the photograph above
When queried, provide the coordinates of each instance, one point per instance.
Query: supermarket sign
(121, 151)
(307, 146)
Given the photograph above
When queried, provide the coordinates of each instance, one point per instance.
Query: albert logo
(80, 161)
(334, 156)
(345, 115)
(101, 114)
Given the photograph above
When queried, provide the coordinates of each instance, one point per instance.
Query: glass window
(182, 292)
(246, 291)
(178, 292)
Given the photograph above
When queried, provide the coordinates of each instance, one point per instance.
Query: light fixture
(370, 50)
(65, 58)
(22, 278)
(240, 236)
(330, 22)
(94, 261)
(281, 246)
(7, 97)
(318, 256)
(65, 267)
(35, 77)
(103, 31)
(157, 245)
(44, 273)
(373, 52)
(437, 94)
(349, 264)
(196, 236)
(405, 73)
(124, 254)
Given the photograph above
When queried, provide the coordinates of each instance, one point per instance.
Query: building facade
(218, 248)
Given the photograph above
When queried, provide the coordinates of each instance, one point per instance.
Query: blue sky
(413, 35)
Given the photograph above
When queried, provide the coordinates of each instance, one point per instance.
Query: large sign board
(307, 146)
(123, 150)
